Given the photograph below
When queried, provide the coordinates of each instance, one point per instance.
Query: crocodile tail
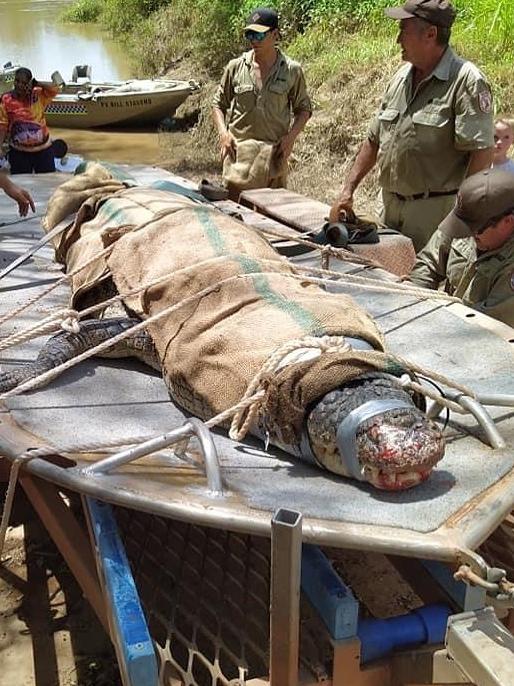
(64, 346)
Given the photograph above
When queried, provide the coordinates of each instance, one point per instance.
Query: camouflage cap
(437, 12)
(482, 199)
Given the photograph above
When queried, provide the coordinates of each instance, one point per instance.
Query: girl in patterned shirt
(22, 120)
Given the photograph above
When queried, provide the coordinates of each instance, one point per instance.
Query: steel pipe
(498, 399)
(484, 419)
(475, 407)
(191, 427)
(286, 560)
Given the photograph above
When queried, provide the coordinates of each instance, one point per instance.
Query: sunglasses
(256, 36)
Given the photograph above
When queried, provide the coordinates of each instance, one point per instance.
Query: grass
(348, 49)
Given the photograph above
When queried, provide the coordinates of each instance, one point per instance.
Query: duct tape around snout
(347, 431)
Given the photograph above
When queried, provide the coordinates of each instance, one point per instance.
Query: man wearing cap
(434, 126)
(262, 95)
(472, 252)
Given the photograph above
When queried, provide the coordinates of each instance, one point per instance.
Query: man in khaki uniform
(472, 252)
(433, 128)
(262, 97)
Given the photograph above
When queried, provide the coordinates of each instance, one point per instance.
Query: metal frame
(444, 544)
(193, 427)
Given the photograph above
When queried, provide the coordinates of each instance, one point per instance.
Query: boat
(7, 76)
(216, 538)
(85, 104)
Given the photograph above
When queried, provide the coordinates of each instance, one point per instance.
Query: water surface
(32, 35)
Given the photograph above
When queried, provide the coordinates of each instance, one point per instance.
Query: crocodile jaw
(398, 450)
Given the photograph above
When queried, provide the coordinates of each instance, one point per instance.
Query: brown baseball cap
(437, 12)
(482, 199)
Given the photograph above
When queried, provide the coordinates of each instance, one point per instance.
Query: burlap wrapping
(115, 214)
(257, 165)
(82, 194)
(212, 347)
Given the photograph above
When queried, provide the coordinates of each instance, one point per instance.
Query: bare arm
(19, 195)
(480, 159)
(364, 162)
(227, 140)
(287, 142)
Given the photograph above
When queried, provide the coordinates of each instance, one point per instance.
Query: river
(32, 35)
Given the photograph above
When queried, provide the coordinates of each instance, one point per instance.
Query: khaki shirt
(483, 281)
(425, 137)
(266, 114)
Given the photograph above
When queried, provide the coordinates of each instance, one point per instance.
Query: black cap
(262, 19)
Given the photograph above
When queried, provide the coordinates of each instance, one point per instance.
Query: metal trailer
(235, 533)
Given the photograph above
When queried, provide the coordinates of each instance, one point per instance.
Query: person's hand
(22, 197)
(342, 208)
(228, 146)
(286, 146)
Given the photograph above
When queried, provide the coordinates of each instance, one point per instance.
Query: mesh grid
(206, 597)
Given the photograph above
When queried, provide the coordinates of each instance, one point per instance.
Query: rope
(70, 318)
(44, 378)
(373, 284)
(244, 415)
(326, 250)
(9, 498)
(68, 321)
(433, 395)
(67, 277)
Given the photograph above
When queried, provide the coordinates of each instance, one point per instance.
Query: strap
(347, 431)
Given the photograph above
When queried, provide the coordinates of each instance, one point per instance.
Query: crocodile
(396, 449)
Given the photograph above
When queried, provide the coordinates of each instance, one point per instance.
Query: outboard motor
(81, 73)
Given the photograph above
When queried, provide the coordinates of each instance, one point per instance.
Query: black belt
(427, 194)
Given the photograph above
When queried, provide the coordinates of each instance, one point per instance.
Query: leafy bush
(83, 11)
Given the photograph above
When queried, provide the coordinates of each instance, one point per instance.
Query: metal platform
(445, 518)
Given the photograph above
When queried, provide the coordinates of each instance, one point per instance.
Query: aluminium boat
(84, 104)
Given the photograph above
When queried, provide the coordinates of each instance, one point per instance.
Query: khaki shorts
(417, 219)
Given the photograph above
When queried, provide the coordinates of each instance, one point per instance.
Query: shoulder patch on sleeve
(485, 101)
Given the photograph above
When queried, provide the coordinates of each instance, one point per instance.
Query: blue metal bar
(333, 600)
(129, 631)
(339, 610)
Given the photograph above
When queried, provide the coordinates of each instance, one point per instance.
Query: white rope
(66, 319)
(326, 250)
(44, 378)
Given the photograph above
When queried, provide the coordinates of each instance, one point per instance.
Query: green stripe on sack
(300, 315)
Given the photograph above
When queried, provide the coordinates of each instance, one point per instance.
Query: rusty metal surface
(394, 251)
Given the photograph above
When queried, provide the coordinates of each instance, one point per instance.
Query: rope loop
(254, 397)
(71, 322)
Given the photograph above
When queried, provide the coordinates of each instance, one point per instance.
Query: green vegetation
(347, 47)
(209, 31)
